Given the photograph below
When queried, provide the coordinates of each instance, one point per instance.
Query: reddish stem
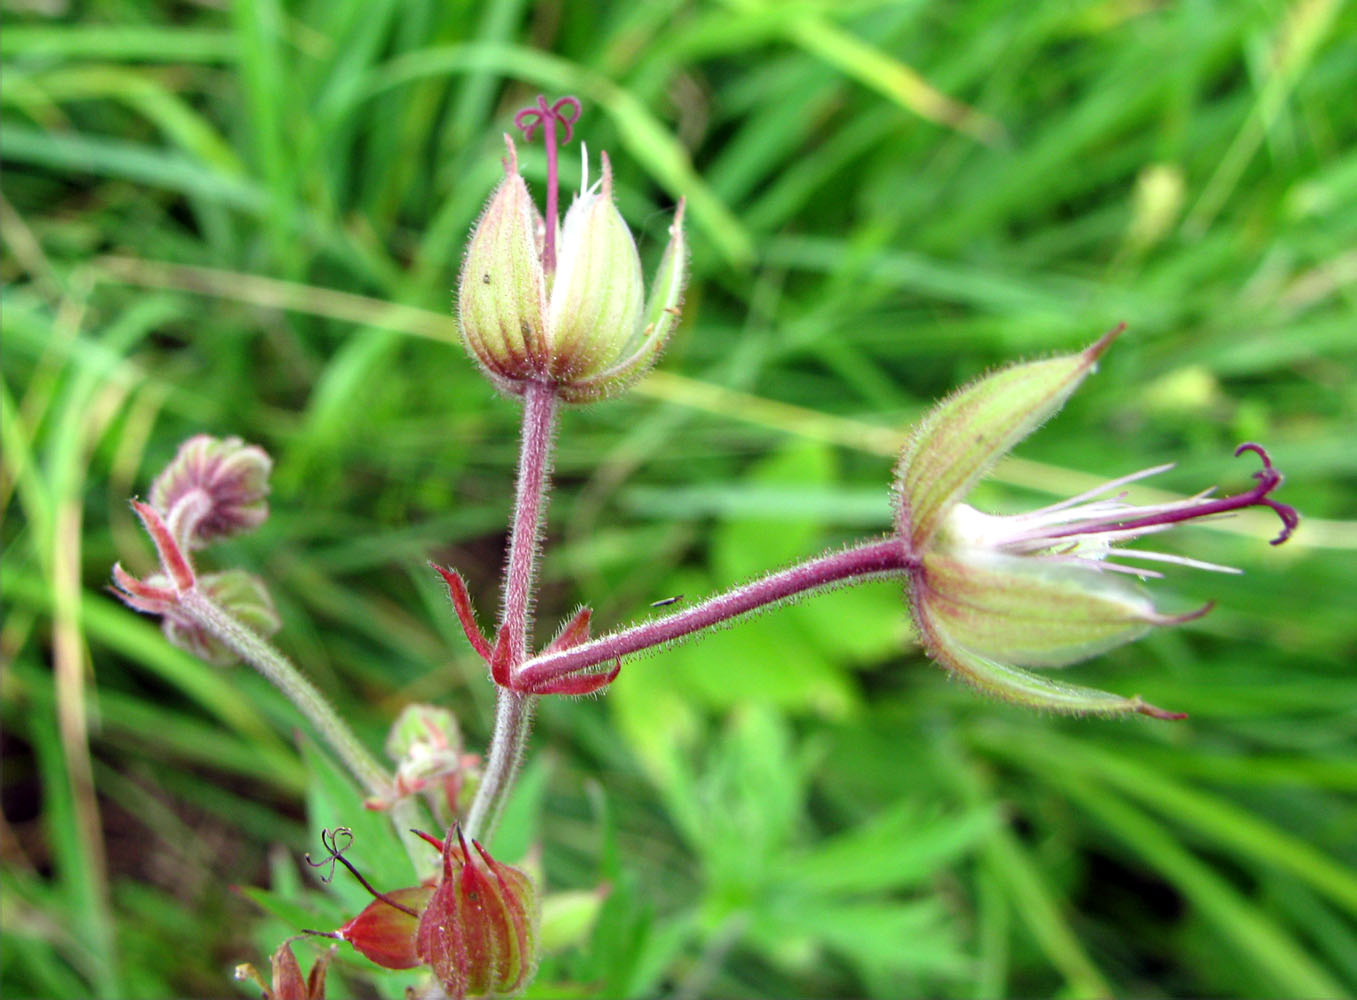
(534, 470)
(513, 708)
(879, 558)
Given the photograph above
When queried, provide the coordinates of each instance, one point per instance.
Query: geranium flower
(990, 594)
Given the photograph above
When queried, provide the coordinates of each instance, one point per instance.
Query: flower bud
(423, 726)
(478, 932)
(240, 594)
(584, 327)
(286, 980)
(426, 744)
(385, 934)
(213, 488)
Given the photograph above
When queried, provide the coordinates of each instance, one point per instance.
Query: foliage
(246, 221)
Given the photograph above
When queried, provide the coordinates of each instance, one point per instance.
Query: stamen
(1095, 516)
(1105, 488)
(1040, 541)
(1168, 557)
(1104, 566)
(564, 113)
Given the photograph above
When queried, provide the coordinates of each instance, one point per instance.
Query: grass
(248, 221)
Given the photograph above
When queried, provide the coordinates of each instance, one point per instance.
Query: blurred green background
(246, 218)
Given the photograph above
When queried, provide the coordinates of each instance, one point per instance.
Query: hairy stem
(258, 653)
(871, 559)
(513, 710)
(513, 723)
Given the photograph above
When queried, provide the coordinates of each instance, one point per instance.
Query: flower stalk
(178, 595)
(870, 560)
(513, 709)
(285, 676)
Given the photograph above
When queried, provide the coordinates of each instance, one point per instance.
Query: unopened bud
(286, 979)
(213, 488)
(426, 744)
(585, 327)
(479, 931)
(384, 933)
(420, 725)
(240, 594)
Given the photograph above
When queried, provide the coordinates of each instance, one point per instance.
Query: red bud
(385, 934)
(478, 932)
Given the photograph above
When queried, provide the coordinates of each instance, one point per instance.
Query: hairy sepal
(961, 438)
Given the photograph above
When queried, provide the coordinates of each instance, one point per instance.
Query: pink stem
(534, 469)
(513, 709)
(877, 558)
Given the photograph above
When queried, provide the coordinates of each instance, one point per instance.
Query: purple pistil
(564, 113)
(1268, 480)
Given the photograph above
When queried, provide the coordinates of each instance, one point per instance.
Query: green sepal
(501, 297)
(241, 595)
(1030, 611)
(639, 353)
(598, 292)
(962, 437)
(1011, 683)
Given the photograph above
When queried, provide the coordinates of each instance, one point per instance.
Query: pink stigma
(563, 114)
(1268, 480)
